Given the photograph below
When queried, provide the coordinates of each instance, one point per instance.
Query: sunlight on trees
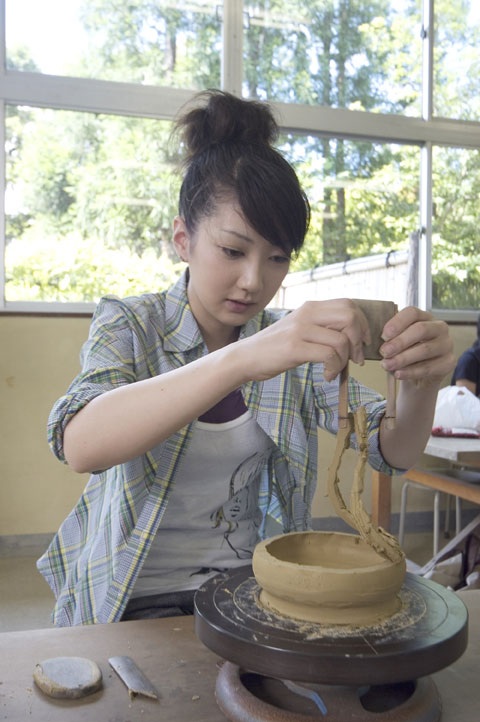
(73, 269)
(91, 198)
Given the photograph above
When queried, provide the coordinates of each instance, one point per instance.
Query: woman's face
(234, 272)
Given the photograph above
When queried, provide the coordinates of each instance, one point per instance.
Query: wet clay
(332, 577)
(356, 516)
(327, 577)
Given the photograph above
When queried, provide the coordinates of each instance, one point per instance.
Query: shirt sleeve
(107, 359)
(466, 368)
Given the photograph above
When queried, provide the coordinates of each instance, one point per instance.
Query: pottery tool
(67, 677)
(133, 677)
(377, 314)
(385, 544)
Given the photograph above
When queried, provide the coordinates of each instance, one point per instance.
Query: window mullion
(2, 205)
(2, 157)
(232, 46)
(3, 40)
(428, 39)
(426, 161)
(94, 96)
(426, 208)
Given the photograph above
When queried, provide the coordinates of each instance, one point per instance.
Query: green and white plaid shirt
(94, 559)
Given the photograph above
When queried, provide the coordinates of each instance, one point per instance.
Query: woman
(196, 409)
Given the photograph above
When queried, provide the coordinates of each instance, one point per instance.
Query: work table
(181, 668)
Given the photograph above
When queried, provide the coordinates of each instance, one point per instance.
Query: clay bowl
(327, 577)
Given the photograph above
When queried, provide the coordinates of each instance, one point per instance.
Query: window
(168, 43)
(353, 55)
(378, 103)
(456, 59)
(89, 204)
(455, 233)
(364, 196)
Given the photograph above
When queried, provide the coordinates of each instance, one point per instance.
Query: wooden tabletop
(181, 668)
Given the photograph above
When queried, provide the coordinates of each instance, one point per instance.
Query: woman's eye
(281, 259)
(232, 252)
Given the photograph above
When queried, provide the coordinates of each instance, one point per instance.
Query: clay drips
(356, 516)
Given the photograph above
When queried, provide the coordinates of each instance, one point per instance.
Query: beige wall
(38, 358)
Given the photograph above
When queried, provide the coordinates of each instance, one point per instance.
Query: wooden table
(458, 451)
(166, 650)
(180, 667)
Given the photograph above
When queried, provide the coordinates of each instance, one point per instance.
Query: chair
(436, 513)
(457, 481)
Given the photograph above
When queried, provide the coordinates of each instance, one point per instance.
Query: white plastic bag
(457, 410)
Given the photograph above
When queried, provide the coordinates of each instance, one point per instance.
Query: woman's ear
(181, 240)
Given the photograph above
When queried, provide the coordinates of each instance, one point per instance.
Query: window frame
(129, 99)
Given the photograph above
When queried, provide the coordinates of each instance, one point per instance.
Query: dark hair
(228, 152)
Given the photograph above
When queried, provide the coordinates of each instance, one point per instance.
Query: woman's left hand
(417, 347)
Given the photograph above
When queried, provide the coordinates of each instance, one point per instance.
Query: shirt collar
(181, 329)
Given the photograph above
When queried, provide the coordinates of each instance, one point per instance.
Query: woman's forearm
(128, 421)
(403, 445)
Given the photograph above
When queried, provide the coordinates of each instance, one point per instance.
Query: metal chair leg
(403, 514)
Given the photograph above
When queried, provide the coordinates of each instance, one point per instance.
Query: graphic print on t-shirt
(213, 519)
(242, 505)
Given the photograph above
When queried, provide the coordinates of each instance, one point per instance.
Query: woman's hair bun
(219, 117)
(228, 156)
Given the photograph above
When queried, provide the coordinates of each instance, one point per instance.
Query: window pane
(363, 196)
(90, 201)
(362, 56)
(165, 43)
(456, 229)
(457, 59)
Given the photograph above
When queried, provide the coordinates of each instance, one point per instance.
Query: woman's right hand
(332, 332)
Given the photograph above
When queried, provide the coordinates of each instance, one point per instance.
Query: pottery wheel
(427, 634)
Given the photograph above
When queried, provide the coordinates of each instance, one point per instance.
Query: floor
(26, 600)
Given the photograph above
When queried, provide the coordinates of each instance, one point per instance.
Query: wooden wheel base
(247, 697)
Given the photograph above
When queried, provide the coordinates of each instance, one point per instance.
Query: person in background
(467, 370)
(197, 408)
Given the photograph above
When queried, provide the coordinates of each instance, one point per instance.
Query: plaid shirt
(94, 559)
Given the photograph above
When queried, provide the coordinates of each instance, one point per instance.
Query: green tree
(154, 42)
(337, 53)
(456, 247)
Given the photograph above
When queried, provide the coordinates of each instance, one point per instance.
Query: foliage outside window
(91, 185)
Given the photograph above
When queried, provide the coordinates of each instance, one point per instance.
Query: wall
(38, 358)
(383, 277)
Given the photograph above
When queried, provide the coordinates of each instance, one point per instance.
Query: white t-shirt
(212, 519)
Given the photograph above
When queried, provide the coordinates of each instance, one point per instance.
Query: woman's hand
(332, 332)
(417, 347)
(418, 351)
